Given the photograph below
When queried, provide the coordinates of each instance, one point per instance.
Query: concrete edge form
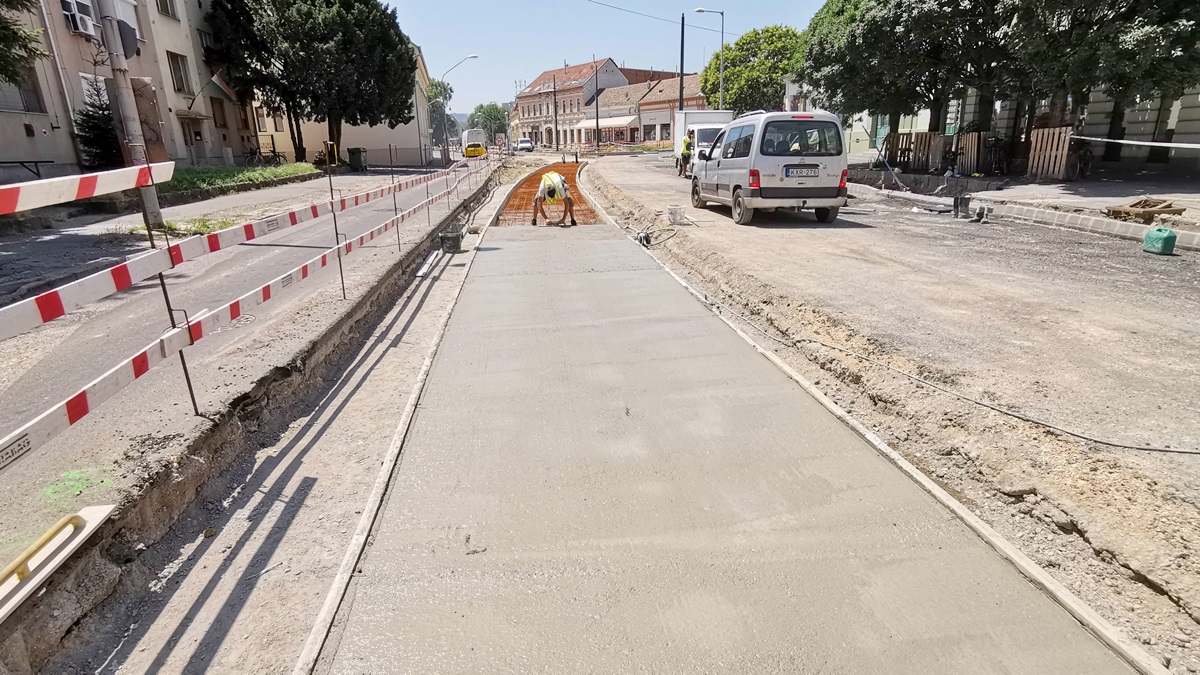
(1122, 229)
(315, 642)
(1133, 654)
(157, 506)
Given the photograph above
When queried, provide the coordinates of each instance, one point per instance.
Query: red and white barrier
(33, 312)
(51, 191)
(62, 416)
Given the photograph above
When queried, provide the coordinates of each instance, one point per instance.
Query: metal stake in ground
(337, 235)
(395, 205)
(428, 206)
(162, 283)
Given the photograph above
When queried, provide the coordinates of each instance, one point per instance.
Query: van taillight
(755, 178)
(842, 185)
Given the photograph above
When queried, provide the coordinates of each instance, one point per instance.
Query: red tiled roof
(570, 76)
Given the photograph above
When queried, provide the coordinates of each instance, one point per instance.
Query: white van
(768, 161)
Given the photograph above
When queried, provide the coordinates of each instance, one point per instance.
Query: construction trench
(519, 209)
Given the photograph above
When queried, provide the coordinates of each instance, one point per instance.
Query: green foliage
(491, 117)
(755, 68)
(96, 130)
(441, 90)
(197, 177)
(897, 56)
(21, 46)
(439, 121)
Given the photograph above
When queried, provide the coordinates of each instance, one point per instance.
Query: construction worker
(552, 187)
(689, 144)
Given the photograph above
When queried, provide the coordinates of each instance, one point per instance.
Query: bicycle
(997, 157)
(255, 157)
(1079, 159)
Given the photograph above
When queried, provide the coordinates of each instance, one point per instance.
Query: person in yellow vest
(685, 159)
(552, 188)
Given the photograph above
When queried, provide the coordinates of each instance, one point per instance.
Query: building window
(206, 42)
(278, 122)
(179, 72)
(127, 12)
(218, 112)
(243, 118)
(23, 97)
(167, 7)
(261, 116)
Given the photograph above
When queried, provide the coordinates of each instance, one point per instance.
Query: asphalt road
(56, 360)
(603, 476)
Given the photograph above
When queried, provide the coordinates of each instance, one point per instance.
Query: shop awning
(609, 122)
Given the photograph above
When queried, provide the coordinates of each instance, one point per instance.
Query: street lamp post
(446, 106)
(722, 13)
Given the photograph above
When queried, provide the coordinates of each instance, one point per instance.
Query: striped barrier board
(62, 416)
(50, 191)
(46, 307)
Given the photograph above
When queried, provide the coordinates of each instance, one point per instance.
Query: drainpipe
(62, 83)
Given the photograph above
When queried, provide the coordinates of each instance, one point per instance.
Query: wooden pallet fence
(1048, 153)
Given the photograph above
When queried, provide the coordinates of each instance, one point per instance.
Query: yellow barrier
(20, 566)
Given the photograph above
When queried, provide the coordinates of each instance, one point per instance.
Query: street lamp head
(473, 56)
(701, 10)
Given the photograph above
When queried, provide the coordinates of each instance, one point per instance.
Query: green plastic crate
(1160, 240)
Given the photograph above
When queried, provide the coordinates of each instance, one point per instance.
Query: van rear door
(800, 158)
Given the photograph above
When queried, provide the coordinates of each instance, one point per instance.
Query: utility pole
(554, 94)
(127, 107)
(597, 106)
(681, 25)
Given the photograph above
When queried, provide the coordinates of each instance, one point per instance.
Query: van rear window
(795, 138)
(706, 136)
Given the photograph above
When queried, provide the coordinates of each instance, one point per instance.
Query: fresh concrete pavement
(602, 475)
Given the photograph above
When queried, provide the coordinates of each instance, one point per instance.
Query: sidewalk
(1104, 189)
(603, 476)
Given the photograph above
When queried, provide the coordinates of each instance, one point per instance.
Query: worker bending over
(553, 186)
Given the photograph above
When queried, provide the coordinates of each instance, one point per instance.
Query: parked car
(525, 144)
(768, 161)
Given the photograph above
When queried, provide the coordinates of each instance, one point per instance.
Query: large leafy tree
(822, 67)
(367, 69)
(20, 46)
(491, 117)
(755, 68)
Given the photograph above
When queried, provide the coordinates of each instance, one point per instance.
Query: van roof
(784, 115)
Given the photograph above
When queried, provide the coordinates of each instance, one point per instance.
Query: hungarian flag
(221, 84)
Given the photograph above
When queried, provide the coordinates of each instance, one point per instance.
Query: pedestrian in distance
(685, 159)
(552, 188)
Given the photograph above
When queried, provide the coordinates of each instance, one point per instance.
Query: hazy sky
(572, 30)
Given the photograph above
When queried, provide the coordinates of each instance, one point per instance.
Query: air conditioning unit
(79, 17)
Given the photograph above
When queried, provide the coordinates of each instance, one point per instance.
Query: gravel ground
(1082, 330)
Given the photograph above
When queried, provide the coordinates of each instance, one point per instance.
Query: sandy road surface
(1084, 330)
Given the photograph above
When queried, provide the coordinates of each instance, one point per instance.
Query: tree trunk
(893, 123)
(937, 115)
(987, 109)
(297, 134)
(1116, 131)
(1030, 112)
(333, 125)
(1058, 109)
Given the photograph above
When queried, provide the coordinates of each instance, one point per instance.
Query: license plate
(802, 172)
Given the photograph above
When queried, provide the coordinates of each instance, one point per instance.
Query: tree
(440, 90)
(440, 120)
(21, 46)
(1130, 49)
(366, 70)
(755, 68)
(491, 117)
(95, 128)
(821, 64)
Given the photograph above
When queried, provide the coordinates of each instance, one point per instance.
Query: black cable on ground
(794, 342)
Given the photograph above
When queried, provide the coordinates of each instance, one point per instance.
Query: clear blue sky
(572, 30)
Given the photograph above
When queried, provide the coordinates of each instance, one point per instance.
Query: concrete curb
(1104, 631)
(1078, 221)
(924, 201)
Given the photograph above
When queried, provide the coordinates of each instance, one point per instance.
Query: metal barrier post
(395, 204)
(337, 235)
(162, 282)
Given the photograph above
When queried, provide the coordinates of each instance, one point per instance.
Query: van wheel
(826, 215)
(697, 201)
(742, 214)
